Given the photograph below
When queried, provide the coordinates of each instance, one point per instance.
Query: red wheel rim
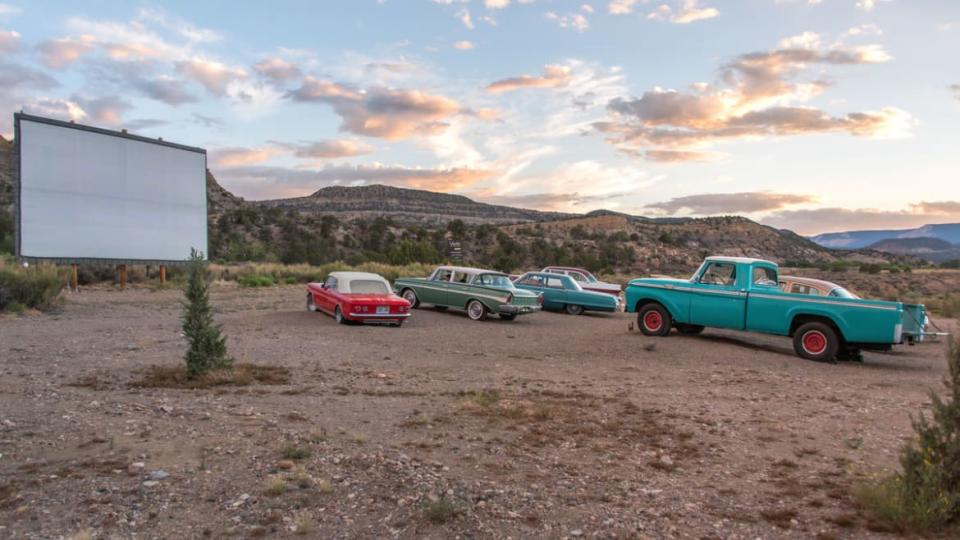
(814, 342)
(653, 321)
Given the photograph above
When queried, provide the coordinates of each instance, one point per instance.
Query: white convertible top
(345, 278)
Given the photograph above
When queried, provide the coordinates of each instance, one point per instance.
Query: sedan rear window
(368, 286)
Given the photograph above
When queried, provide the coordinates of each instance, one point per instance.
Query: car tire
(311, 305)
(476, 310)
(508, 316)
(573, 309)
(654, 320)
(816, 341)
(338, 316)
(411, 296)
(689, 329)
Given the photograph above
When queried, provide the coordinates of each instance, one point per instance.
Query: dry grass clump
(240, 375)
(441, 510)
(275, 486)
(295, 453)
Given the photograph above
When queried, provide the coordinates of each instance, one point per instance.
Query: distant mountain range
(932, 242)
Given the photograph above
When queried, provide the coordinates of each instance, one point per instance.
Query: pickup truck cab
(744, 294)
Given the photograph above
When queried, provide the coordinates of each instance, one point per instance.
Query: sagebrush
(37, 286)
(926, 493)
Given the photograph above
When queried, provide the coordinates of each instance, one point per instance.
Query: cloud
(277, 69)
(261, 182)
(6, 10)
(381, 112)
(674, 156)
(496, 4)
(686, 11)
(105, 110)
(553, 76)
(573, 20)
(207, 121)
(820, 220)
(17, 77)
(955, 88)
(621, 7)
(336, 148)
(144, 123)
(60, 53)
(759, 97)
(9, 41)
(166, 89)
(868, 5)
(235, 157)
(730, 203)
(63, 109)
(463, 45)
(464, 16)
(212, 75)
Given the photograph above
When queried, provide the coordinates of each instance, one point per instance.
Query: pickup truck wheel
(573, 309)
(311, 306)
(689, 329)
(411, 297)
(816, 341)
(654, 320)
(476, 310)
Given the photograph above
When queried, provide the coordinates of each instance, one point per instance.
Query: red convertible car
(357, 297)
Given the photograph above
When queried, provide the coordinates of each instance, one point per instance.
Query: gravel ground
(549, 426)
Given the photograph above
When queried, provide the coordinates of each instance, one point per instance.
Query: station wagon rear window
(493, 280)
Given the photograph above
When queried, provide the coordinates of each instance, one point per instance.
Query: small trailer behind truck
(743, 294)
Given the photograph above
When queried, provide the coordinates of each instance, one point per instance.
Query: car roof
(566, 268)
(743, 260)
(348, 276)
(819, 283)
(548, 274)
(469, 270)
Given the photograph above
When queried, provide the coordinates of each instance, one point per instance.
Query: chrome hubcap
(410, 296)
(476, 310)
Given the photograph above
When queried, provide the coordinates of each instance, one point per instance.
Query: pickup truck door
(716, 299)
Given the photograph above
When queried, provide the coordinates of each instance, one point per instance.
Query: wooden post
(163, 274)
(123, 276)
(74, 279)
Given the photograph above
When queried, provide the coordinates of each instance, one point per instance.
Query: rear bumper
(378, 316)
(511, 309)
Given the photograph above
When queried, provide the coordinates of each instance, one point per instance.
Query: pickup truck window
(765, 277)
(719, 274)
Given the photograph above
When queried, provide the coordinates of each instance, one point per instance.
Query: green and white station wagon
(475, 290)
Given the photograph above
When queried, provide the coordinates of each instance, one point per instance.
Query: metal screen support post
(74, 279)
(123, 276)
(163, 274)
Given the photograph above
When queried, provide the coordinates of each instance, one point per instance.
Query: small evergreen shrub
(206, 346)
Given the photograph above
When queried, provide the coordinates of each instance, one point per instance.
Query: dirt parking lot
(550, 426)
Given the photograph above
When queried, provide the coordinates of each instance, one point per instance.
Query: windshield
(840, 292)
(493, 280)
(368, 286)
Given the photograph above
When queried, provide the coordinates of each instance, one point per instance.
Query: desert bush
(37, 286)
(206, 347)
(255, 280)
(926, 493)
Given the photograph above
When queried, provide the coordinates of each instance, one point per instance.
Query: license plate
(382, 310)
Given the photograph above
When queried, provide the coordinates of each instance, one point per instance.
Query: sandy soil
(549, 426)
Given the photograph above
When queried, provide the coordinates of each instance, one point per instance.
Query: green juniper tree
(206, 346)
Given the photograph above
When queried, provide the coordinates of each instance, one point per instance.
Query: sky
(812, 115)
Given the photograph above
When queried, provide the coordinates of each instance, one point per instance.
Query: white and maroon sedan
(357, 297)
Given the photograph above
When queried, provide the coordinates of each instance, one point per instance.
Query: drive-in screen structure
(90, 194)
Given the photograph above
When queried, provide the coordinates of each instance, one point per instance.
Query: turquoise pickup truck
(743, 294)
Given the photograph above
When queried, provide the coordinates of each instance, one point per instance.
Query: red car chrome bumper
(379, 315)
